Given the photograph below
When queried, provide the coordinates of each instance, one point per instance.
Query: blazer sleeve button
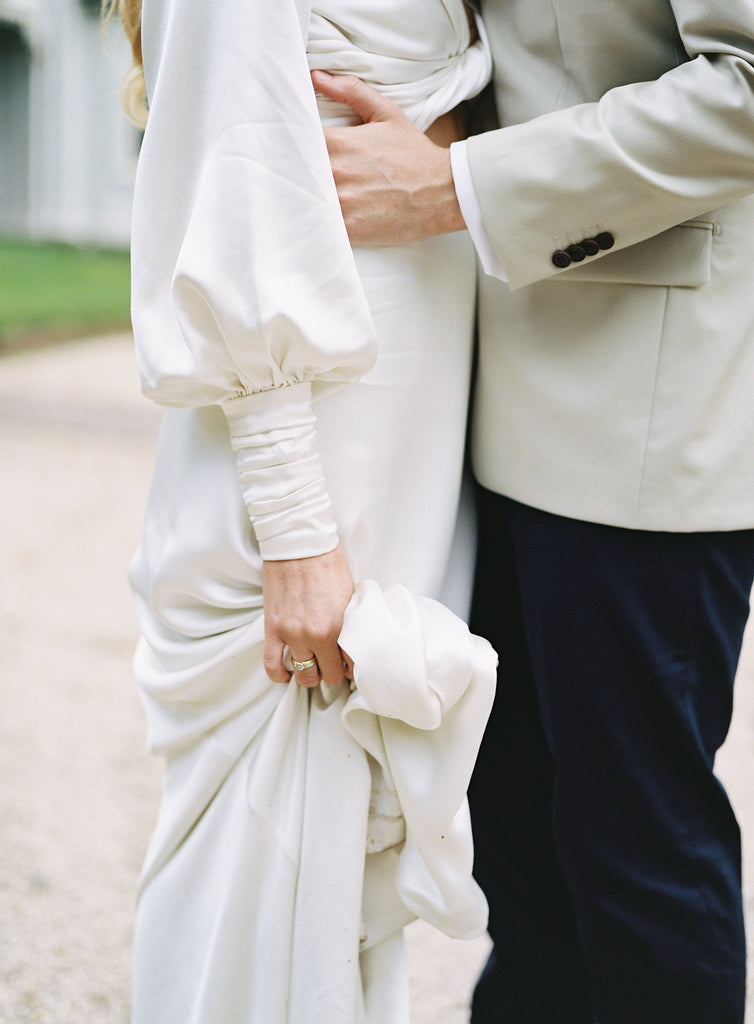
(561, 259)
(576, 252)
(605, 240)
(590, 247)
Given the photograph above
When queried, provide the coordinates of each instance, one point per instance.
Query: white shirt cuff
(273, 436)
(472, 214)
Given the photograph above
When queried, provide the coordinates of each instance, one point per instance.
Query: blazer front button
(604, 240)
(576, 252)
(561, 259)
(590, 247)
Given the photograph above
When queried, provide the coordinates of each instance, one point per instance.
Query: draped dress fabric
(299, 830)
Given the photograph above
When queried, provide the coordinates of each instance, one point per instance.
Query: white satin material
(295, 923)
(424, 688)
(258, 888)
(420, 54)
(259, 902)
(274, 440)
(243, 279)
(240, 255)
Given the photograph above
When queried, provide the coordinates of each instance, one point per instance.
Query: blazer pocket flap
(680, 257)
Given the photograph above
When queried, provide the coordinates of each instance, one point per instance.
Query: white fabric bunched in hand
(424, 687)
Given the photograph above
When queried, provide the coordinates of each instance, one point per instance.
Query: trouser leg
(535, 974)
(632, 641)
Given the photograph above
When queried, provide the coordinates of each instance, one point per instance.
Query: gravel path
(79, 795)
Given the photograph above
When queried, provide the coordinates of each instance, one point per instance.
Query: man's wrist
(441, 202)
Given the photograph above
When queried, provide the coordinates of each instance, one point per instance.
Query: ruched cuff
(274, 440)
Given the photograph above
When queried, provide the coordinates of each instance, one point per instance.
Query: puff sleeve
(244, 289)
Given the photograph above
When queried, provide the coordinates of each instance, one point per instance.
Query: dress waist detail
(421, 55)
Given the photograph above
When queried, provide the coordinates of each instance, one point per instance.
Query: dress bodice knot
(421, 56)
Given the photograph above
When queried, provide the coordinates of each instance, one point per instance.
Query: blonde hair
(134, 93)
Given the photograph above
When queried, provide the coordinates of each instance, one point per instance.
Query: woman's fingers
(331, 665)
(274, 652)
(306, 669)
(305, 600)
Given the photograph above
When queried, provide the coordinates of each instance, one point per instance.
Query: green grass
(50, 290)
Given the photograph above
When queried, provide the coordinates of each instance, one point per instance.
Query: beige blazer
(620, 389)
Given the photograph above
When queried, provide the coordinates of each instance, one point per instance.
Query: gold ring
(301, 666)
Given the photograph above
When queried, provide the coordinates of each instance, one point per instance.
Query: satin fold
(286, 829)
(420, 56)
(274, 440)
(275, 808)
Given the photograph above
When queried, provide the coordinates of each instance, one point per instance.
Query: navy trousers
(608, 850)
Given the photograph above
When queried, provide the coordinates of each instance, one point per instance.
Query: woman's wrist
(273, 436)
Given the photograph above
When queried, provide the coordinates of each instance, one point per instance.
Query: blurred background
(67, 165)
(78, 793)
(68, 156)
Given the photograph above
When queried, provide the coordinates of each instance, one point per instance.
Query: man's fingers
(369, 104)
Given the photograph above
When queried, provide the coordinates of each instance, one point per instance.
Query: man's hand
(395, 185)
(304, 603)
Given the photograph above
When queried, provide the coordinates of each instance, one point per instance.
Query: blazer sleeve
(642, 158)
(244, 289)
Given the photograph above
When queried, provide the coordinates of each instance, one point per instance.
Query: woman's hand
(304, 603)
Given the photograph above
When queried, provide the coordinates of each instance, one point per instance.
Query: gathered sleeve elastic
(243, 278)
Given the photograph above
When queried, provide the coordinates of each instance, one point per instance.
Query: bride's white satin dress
(299, 830)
